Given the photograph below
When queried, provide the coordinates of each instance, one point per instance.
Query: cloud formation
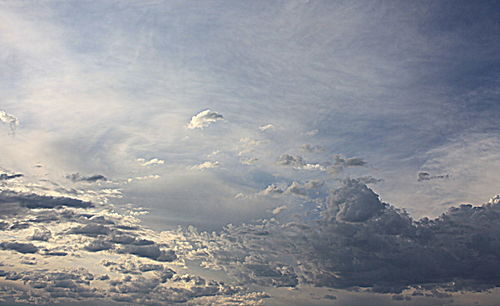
(206, 165)
(154, 161)
(9, 119)
(425, 176)
(204, 119)
(5, 176)
(298, 162)
(360, 241)
(76, 177)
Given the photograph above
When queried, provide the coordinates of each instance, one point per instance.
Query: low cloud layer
(360, 241)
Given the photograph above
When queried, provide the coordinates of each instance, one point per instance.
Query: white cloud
(9, 119)
(153, 161)
(206, 165)
(204, 119)
(266, 127)
(146, 177)
(279, 209)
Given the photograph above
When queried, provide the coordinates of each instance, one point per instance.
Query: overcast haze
(249, 152)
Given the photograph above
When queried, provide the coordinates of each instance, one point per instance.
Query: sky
(249, 152)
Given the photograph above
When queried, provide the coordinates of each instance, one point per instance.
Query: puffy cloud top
(204, 119)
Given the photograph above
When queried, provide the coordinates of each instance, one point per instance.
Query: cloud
(142, 178)
(5, 176)
(341, 163)
(425, 176)
(297, 162)
(76, 177)
(359, 241)
(25, 248)
(312, 148)
(9, 119)
(33, 201)
(266, 127)
(271, 190)
(279, 209)
(153, 161)
(206, 165)
(204, 119)
(311, 132)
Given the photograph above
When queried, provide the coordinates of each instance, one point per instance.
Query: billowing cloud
(362, 242)
(204, 119)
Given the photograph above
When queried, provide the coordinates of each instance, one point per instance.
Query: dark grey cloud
(149, 251)
(76, 177)
(5, 176)
(362, 242)
(41, 234)
(425, 176)
(19, 247)
(31, 201)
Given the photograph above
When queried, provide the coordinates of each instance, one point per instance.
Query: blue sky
(220, 112)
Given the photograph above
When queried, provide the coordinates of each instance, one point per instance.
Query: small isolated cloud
(9, 119)
(312, 148)
(142, 178)
(76, 177)
(5, 176)
(271, 190)
(279, 209)
(153, 161)
(311, 133)
(266, 127)
(204, 119)
(342, 162)
(206, 165)
(425, 176)
(297, 162)
(249, 161)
